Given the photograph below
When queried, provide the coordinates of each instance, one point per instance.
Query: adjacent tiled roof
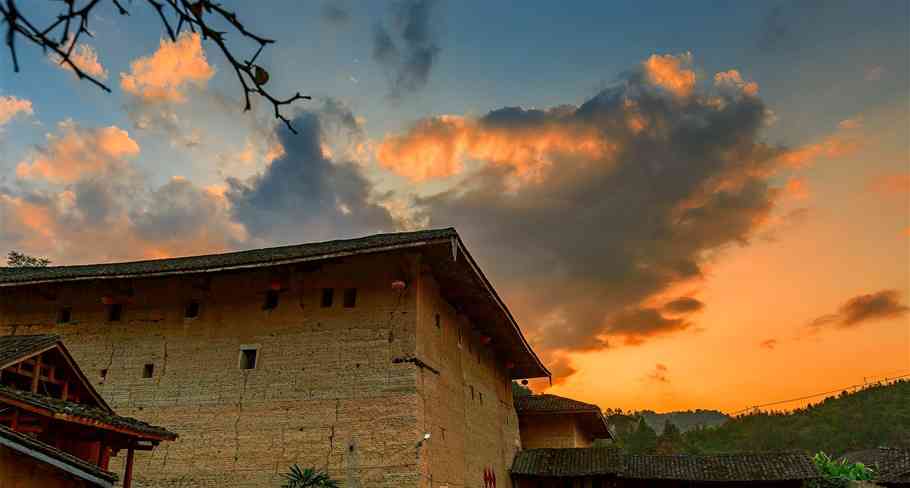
(889, 465)
(567, 462)
(34, 445)
(15, 347)
(571, 462)
(551, 403)
(255, 257)
(61, 408)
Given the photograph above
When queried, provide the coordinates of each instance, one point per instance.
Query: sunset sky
(685, 205)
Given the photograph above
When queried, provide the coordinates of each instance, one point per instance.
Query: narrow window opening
(271, 300)
(472, 392)
(192, 310)
(328, 296)
(350, 297)
(480, 395)
(437, 321)
(64, 315)
(248, 358)
(114, 312)
(103, 374)
(458, 329)
(148, 370)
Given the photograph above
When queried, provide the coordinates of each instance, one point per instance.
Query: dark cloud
(683, 305)
(881, 305)
(633, 189)
(305, 195)
(408, 47)
(335, 12)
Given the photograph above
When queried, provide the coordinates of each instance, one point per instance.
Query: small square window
(328, 296)
(148, 370)
(114, 312)
(271, 300)
(64, 315)
(350, 297)
(192, 310)
(248, 358)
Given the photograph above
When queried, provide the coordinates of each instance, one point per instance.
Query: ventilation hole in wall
(148, 370)
(64, 315)
(328, 296)
(350, 297)
(192, 310)
(271, 300)
(114, 312)
(248, 358)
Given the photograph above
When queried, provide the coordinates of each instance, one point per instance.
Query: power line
(755, 407)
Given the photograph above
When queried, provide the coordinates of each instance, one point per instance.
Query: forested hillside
(872, 417)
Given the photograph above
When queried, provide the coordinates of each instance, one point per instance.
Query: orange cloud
(732, 79)
(796, 188)
(84, 57)
(438, 147)
(834, 146)
(768, 344)
(658, 374)
(893, 184)
(671, 73)
(11, 106)
(77, 151)
(165, 75)
(848, 124)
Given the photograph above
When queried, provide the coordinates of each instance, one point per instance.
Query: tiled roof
(606, 461)
(65, 408)
(14, 347)
(889, 465)
(567, 462)
(255, 257)
(551, 403)
(31, 444)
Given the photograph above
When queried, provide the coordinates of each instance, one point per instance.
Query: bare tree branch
(73, 22)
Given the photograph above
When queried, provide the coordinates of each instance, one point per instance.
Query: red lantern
(510, 365)
(486, 340)
(275, 285)
(399, 285)
(107, 300)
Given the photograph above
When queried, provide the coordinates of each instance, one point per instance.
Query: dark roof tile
(551, 403)
(13, 348)
(61, 407)
(889, 464)
(607, 461)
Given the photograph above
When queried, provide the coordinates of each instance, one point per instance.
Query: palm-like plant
(307, 478)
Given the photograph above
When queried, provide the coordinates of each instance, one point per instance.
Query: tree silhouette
(16, 259)
(62, 34)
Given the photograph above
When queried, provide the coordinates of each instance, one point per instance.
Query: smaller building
(609, 468)
(28, 462)
(57, 431)
(554, 421)
(890, 466)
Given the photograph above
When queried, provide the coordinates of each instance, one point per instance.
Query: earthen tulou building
(386, 360)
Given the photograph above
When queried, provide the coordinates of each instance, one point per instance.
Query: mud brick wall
(538, 431)
(467, 407)
(325, 391)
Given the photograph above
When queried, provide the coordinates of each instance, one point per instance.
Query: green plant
(841, 470)
(307, 478)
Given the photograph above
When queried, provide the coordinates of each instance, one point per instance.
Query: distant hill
(685, 420)
(872, 417)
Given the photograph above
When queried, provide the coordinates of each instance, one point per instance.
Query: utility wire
(755, 407)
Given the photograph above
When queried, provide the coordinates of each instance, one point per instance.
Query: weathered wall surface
(325, 391)
(20, 471)
(539, 431)
(467, 407)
